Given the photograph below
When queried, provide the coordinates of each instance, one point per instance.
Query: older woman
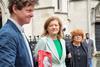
(53, 42)
(77, 50)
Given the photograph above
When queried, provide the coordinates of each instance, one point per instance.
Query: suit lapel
(63, 50)
(84, 48)
(52, 47)
(90, 42)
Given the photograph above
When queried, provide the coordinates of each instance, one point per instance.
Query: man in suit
(14, 47)
(89, 44)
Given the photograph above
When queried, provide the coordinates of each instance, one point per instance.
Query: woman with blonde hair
(53, 42)
(77, 51)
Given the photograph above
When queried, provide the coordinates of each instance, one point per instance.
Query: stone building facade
(82, 14)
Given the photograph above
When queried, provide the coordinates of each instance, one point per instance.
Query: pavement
(96, 61)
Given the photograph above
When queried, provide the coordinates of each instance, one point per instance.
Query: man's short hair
(20, 4)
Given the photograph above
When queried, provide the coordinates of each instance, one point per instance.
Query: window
(77, 0)
(59, 4)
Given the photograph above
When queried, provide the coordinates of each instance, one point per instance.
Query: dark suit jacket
(90, 47)
(13, 51)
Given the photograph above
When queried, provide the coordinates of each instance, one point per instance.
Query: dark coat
(71, 62)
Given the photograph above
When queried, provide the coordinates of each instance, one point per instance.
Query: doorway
(97, 35)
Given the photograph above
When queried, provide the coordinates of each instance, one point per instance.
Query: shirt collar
(21, 29)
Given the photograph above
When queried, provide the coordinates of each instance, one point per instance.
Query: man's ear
(14, 8)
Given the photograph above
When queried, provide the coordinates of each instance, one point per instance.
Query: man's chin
(27, 22)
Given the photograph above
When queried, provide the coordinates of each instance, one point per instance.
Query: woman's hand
(69, 55)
